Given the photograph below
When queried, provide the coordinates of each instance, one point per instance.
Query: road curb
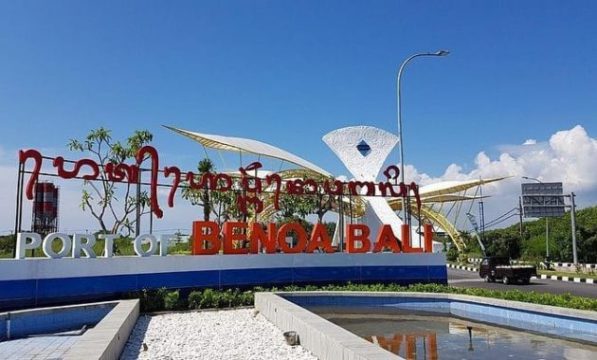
(567, 278)
(556, 264)
(460, 267)
(542, 276)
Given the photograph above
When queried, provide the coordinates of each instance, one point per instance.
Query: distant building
(45, 208)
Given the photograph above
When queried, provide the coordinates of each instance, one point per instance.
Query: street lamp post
(400, 128)
(546, 224)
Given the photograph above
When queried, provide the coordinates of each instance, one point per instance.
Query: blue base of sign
(23, 293)
(36, 282)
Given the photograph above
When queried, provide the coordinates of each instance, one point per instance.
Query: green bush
(194, 299)
(209, 299)
(452, 253)
(227, 298)
(247, 298)
(462, 258)
(171, 300)
(7, 245)
(180, 248)
(152, 300)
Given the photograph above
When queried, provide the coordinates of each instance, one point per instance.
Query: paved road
(468, 279)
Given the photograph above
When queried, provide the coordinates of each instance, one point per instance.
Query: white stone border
(329, 341)
(107, 339)
(322, 338)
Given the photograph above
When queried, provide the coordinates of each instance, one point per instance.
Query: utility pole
(481, 215)
(137, 205)
(573, 225)
(547, 238)
(341, 224)
(520, 216)
(19, 208)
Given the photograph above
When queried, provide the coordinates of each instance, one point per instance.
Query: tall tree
(205, 166)
(222, 205)
(321, 203)
(299, 206)
(111, 205)
(294, 207)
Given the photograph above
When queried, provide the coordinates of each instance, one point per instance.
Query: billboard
(542, 200)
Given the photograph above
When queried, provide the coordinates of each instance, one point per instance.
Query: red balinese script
(250, 185)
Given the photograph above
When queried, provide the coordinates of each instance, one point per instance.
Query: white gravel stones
(228, 334)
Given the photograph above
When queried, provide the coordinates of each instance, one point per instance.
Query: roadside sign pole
(545, 200)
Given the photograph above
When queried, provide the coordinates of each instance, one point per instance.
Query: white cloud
(569, 156)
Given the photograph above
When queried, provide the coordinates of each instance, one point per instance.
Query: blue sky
(287, 72)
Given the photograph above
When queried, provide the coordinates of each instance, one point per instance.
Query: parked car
(499, 268)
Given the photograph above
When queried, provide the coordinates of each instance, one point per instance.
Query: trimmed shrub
(452, 254)
(209, 299)
(195, 299)
(152, 300)
(171, 300)
(156, 300)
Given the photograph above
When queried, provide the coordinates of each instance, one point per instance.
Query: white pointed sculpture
(363, 150)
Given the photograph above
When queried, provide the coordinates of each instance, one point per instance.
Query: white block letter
(23, 245)
(86, 247)
(108, 244)
(164, 242)
(65, 242)
(153, 244)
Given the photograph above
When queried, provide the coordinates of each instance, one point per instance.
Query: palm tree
(205, 166)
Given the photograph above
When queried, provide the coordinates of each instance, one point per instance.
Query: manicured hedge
(162, 299)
